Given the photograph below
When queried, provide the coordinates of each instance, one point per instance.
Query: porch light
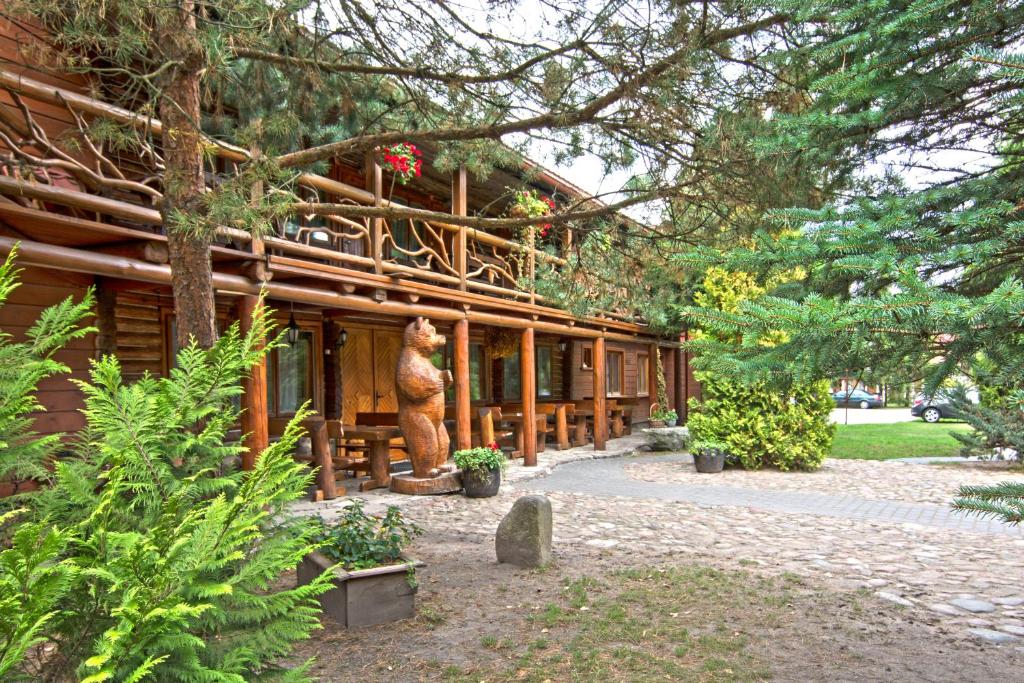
(292, 335)
(342, 338)
(563, 345)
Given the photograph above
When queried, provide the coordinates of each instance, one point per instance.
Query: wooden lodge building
(344, 288)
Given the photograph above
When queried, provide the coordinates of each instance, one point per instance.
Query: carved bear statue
(421, 389)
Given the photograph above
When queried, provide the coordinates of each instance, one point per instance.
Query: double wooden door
(368, 362)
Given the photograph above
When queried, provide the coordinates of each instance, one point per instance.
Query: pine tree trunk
(189, 250)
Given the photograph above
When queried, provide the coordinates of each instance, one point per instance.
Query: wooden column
(679, 398)
(332, 371)
(528, 384)
(600, 399)
(463, 419)
(375, 184)
(652, 373)
(254, 394)
(106, 319)
(460, 208)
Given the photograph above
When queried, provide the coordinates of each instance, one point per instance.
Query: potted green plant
(708, 455)
(373, 582)
(481, 470)
(666, 416)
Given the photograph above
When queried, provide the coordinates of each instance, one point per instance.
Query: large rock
(667, 438)
(524, 536)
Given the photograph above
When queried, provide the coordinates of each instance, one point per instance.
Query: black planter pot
(481, 483)
(709, 462)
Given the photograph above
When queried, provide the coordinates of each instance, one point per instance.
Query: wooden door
(386, 347)
(357, 375)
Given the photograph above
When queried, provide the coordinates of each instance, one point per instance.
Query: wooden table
(516, 421)
(581, 425)
(378, 439)
(562, 424)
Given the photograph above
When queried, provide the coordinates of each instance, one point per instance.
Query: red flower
(550, 202)
(494, 446)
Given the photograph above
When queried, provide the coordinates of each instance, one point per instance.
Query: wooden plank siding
(583, 379)
(59, 396)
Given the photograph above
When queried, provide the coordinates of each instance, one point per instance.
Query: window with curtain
(544, 371)
(290, 376)
(642, 383)
(614, 373)
(512, 378)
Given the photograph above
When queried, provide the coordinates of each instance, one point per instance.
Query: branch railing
(410, 247)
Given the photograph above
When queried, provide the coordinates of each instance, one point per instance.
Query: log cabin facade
(344, 288)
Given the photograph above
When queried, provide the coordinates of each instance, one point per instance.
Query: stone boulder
(666, 438)
(524, 535)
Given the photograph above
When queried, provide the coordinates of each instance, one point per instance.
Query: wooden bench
(542, 412)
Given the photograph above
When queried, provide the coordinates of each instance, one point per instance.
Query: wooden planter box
(363, 597)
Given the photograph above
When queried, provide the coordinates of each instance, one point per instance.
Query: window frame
(587, 357)
(643, 368)
(621, 355)
(314, 377)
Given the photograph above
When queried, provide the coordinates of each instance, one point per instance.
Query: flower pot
(364, 597)
(481, 483)
(671, 423)
(709, 462)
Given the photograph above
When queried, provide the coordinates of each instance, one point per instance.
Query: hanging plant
(503, 342)
(532, 204)
(404, 160)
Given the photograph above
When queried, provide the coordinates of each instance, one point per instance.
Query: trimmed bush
(765, 428)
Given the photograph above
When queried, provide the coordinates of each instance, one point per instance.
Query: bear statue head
(421, 335)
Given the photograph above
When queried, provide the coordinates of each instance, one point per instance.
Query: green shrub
(764, 428)
(361, 541)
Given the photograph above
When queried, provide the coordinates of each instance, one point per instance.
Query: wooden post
(463, 426)
(652, 373)
(321, 446)
(528, 384)
(677, 385)
(375, 184)
(106, 320)
(254, 394)
(600, 400)
(460, 208)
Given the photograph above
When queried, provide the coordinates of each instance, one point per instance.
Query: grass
(689, 623)
(897, 440)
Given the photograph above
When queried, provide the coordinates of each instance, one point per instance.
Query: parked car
(933, 408)
(858, 398)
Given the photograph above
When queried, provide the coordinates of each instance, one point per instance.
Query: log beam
(463, 419)
(600, 397)
(460, 208)
(255, 419)
(528, 386)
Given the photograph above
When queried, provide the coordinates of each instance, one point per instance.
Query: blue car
(858, 398)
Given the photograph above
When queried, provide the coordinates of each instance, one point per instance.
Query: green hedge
(763, 427)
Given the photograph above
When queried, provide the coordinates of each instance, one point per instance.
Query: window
(587, 358)
(477, 370)
(512, 378)
(614, 373)
(544, 371)
(290, 376)
(477, 374)
(643, 388)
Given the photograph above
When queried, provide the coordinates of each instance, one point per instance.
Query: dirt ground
(584, 619)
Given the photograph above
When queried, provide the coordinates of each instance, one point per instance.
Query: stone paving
(863, 479)
(962, 574)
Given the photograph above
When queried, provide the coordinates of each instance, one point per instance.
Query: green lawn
(899, 440)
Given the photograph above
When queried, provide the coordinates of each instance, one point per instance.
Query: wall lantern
(563, 345)
(342, 338)
(292, 334)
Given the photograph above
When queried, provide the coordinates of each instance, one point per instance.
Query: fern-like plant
(152, 556)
